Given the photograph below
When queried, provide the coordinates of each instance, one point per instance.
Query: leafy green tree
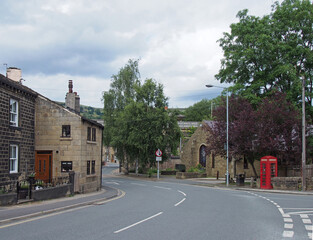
(136, 122)
(272, 53)
(199, 111)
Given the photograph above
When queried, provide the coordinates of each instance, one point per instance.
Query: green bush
(197, 169)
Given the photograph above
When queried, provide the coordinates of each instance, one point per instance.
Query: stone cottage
(194, 153)
(65, 141)
(17, 127)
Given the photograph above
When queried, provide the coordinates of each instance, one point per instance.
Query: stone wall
(21, 135)
(291, 183)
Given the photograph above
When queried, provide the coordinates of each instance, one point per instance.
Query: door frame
(49, 165)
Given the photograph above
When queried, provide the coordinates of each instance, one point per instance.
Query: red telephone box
(268, 170)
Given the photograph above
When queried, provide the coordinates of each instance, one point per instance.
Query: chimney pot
(70, 86)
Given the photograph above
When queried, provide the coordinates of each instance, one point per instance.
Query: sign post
(158, 155)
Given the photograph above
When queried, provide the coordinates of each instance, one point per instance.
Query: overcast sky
(53, 41)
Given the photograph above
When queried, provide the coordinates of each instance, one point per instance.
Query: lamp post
(227, 126)
(303, 137)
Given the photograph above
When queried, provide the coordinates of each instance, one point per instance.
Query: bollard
(217, 173)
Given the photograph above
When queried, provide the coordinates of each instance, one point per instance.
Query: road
(171, 210)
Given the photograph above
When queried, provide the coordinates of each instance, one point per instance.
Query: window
(88, 167)
(13, 158)
(13, 112)
(91, 134)
(93, 167)
(66, 166)
(66, 131)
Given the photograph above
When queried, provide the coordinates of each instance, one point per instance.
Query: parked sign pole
(158, 155)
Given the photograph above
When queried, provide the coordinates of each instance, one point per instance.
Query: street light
(227, 123)
(303, 137)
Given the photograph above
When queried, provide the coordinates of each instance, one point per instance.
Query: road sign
(158, 153)
(158, 159)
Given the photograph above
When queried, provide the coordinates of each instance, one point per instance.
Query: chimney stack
(70, 86)
(14, 74)
(72, 100)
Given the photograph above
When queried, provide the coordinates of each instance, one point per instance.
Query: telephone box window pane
(66, 166)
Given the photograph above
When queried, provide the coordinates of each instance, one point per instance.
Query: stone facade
(78, 148)
(215, 165)
(20, 132)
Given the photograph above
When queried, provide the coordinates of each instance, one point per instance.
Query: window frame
(88, 167)
(14, 122)
(93, 134)
(88, 133)
(93, 167)
(15, 159)
(66, 131)
(66, 166)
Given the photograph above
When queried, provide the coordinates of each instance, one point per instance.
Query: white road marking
(112, 183)
(182, 193)
(300, 213)
(180, 202)
(163, 188)
(288, 234)
(139, 184)
(309, 227)
(288, 225)
(307, 221)
(144, 220)
(304, 216)
(288, 220)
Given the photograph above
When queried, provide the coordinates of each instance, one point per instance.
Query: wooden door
(43, 166)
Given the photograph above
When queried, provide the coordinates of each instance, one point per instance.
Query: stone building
(65, 141)
(17, 127)
(194, 153)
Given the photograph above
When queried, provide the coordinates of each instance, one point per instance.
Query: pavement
(20, 212)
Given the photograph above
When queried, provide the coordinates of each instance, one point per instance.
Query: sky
(53, 41)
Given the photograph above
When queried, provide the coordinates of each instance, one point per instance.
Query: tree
(279, 129)
(136, 118)
(241, 138)
(272, 53)
(273, 129)
(199, 111)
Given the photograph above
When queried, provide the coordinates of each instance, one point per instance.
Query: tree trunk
(254, 170)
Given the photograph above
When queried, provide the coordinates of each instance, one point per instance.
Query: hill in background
(89, 112)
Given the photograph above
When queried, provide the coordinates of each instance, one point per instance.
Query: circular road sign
(158, 153)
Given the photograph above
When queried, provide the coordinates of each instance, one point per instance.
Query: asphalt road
(171, 210)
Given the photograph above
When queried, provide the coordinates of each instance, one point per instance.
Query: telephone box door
(268, 170)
